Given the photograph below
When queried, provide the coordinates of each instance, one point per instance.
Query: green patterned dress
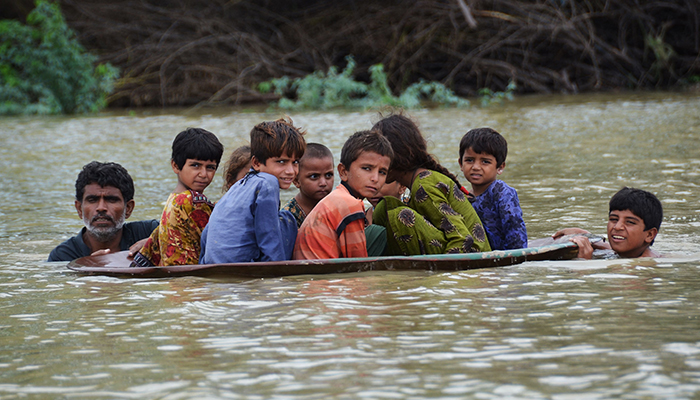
(438, 219)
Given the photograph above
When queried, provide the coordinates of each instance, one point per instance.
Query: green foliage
(334, 89)
(488, 97)
(44, 70)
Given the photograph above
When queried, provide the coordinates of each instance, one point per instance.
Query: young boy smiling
(247, 224)
(335, 228)
(482, 157)
(634, 220)
(195, 158)
(314, 180)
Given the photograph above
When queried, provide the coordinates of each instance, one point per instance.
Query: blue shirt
(499, 210)
(247, 224)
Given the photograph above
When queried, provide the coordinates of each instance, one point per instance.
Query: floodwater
(555, 330)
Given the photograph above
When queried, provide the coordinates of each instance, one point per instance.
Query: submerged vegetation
(332, 90)
(44, 70)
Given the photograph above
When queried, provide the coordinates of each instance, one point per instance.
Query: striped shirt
(335, 228)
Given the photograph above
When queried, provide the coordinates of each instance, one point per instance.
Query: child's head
(393, 189)
(484, 141)
(410, 148)
(236, 167)
(276, 147)
(315, 177)
(634, 220)
(482, 157)
(364, 162)
(195, 158)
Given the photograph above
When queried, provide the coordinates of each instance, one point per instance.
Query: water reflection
(594, 329)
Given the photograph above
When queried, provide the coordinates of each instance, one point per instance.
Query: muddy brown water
(572, 329)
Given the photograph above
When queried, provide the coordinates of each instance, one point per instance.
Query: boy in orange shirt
(335, 228)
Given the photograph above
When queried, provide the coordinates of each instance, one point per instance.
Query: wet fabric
(293, 207)
(75, 247)
(499, 210)
(438, 219)
(335, 228)
(176, 241)
(247, 224)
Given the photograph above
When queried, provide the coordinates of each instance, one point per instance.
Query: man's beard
(104, 234)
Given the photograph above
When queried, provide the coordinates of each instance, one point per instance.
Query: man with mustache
(104, 198)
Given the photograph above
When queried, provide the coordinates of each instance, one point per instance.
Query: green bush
(332, 90)
(44, 70)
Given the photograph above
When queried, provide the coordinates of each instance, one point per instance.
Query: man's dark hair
(484, 140)
(105, 174)
(197, 144)
(641, 203)
(365, 141)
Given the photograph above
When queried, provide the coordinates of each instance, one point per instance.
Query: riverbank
(216, 52)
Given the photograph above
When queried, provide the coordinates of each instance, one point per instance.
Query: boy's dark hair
(484, 140)
(105, 174)
(641, 203)
(316, 150)
(365, 141)
(197, 144)
(410, 148)
(273, 138)
(238, 160)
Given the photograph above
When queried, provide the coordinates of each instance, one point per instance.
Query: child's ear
(255, 163)
(459, 160)
(650, 235)
(176, 169)
(342, 172)
(501, 168)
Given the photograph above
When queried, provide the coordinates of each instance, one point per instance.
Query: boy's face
(284, 167)
(367, 174)
(480, 169)
(195, 174)
(626, 234)
(315, 178)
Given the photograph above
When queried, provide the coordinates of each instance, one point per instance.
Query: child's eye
(295, 162)
(329, 175)
(382, 172)
(211, 167)
(314, 176)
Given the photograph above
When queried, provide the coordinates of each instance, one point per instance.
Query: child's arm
(185, 223)
(456, 227)
(568, 231)
(352, 240)
(514, 230)
(268, 232)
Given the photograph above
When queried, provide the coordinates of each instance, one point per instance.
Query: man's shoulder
(141, 228)
(70, 249)
(336, 207)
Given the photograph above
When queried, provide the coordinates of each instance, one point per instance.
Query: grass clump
(323, 91)
(44, 70)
